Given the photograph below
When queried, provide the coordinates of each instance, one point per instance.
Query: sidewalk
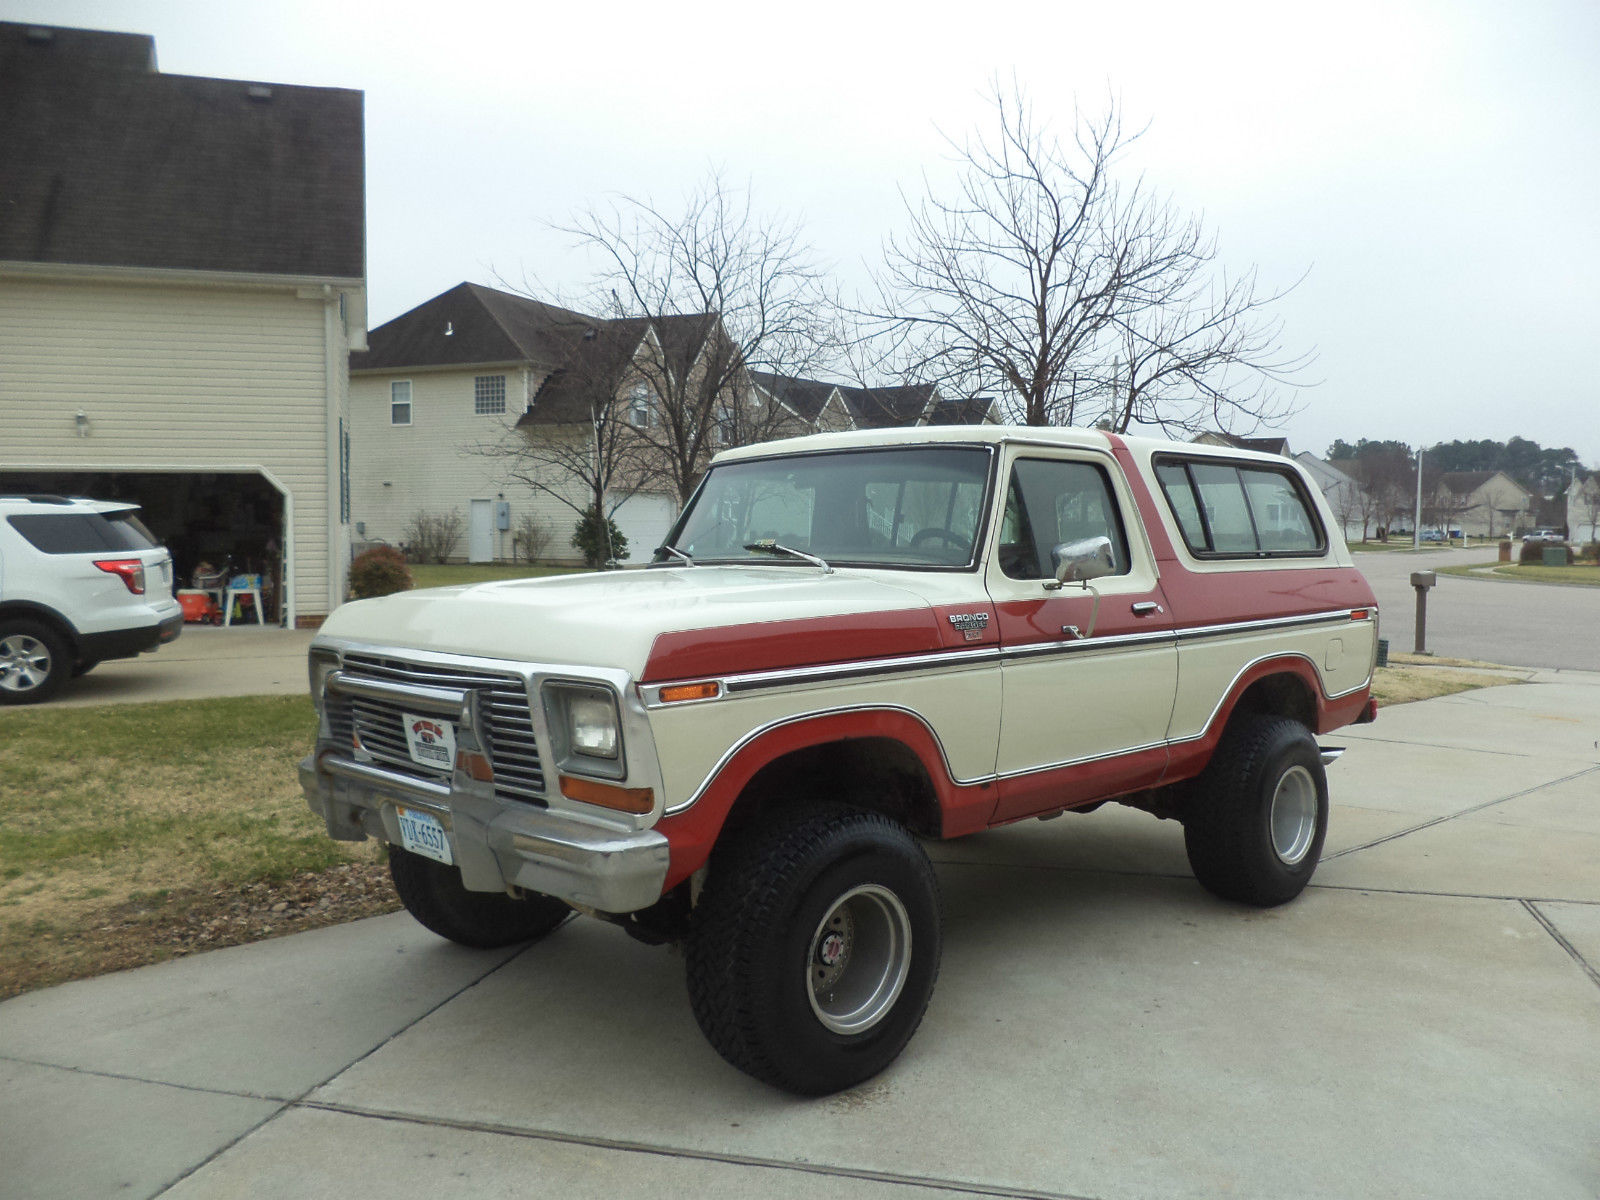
(1423, 1022)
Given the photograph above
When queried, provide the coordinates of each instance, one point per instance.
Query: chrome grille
(513, 749)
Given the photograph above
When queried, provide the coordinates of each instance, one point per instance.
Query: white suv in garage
(81, 581)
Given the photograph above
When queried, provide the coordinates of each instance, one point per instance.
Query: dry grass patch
(124, 825)
(1420, 679)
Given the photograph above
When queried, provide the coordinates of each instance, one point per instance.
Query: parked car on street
(849, 642)
(1543, 535)
(81, 581)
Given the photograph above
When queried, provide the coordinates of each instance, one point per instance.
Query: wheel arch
(43, 613)
(883, 760)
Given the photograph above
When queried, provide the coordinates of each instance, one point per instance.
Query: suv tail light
(131, 570)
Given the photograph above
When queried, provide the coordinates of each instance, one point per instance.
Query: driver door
(1086, 695)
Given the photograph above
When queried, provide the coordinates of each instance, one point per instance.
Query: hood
(609, 619)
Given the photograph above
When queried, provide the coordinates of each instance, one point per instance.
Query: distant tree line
(1543, 471)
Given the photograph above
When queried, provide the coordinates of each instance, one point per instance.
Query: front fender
(964, 807)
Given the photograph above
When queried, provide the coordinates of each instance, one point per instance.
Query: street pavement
(1493, 620)
(1423, 1022)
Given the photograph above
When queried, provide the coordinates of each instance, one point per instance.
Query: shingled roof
(106, 162)
(474, 324)
(887, 407)
(806, 398)
(595, 366)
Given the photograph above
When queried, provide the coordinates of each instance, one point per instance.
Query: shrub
(1590, 552)
(432, 537)
(590, 539)
(380, 571)
(1533, 553)
(532, 537)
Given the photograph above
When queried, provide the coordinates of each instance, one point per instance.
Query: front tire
(34, 662)
(815, 947)
(433, 894)
(1257, 816)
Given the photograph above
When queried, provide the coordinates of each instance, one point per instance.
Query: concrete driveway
(1423, 1022)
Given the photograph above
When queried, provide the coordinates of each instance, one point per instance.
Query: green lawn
(1586, 574)
(1404, 543)
(133, 804)
(429, 575)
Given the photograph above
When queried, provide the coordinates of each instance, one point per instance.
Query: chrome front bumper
(495, 843)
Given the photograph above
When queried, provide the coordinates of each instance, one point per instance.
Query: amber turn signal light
(608, 795)
(689, 691)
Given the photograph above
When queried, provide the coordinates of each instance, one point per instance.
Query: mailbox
(1422, 581)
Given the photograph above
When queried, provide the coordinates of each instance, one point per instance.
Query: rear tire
(433, 894)
(34, 662)
(815, 947)
(1257, 816)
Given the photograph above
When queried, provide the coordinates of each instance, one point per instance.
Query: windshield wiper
(676, 553)
(771, 546)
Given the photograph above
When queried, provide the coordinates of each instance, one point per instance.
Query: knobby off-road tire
(815, 947)
(432, 893)
(34, 662)
(1257, 816)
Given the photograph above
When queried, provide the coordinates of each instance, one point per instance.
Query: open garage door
(221, 518)
(645, 521)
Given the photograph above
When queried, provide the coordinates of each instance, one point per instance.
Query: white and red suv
(849, 642)
(81, 581)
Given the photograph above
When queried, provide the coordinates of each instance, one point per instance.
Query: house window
(639, 413)
(400, 402)
(489, 395)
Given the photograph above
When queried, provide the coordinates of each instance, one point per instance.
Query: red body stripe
(770, 645)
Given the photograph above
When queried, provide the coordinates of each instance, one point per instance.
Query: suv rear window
(1240, 510)
(83, 533)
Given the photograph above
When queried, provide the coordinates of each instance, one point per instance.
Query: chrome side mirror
(1079, 562)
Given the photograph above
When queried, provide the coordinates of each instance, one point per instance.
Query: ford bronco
(850, 642)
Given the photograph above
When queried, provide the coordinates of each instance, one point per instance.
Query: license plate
(422, 834)
(432, 741)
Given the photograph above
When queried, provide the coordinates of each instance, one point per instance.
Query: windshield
(917, 507)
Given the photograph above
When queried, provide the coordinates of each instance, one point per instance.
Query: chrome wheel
(1294, 815)
(24, 663)
(859, 958)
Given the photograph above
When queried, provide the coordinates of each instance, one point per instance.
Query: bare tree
(1073, 296)
(724, 290)
(575, 443)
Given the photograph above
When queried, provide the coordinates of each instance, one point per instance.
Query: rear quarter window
(1240, 509)
(81, 532)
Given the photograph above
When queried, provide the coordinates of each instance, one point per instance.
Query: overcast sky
(1435, 167)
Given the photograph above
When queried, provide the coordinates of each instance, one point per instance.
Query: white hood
(609, 619)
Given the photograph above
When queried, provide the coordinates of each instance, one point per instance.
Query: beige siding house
(1480, 503)
(444, 386)
(179, 293)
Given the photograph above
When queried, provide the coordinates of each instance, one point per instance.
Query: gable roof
(1464, 483)
(484, 326)
(974, 410)
(595, 365)
(888, 407)
(104, 161)
(806, 398)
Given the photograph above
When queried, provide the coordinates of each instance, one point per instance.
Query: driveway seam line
(1465, 812)
(865, 1174)
(1560, 939)
(1362, 738)
(92, 1073)
(285, 1106)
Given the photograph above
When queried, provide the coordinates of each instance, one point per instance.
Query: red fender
(964, 808)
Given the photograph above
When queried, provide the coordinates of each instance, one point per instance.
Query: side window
(400, 402)
(1050, 502)
(1239, 510)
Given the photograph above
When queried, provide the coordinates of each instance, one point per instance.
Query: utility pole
(1416, 523)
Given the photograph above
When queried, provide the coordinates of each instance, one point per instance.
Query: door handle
(1147, 608)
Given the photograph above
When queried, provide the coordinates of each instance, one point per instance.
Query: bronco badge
(971, 625)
